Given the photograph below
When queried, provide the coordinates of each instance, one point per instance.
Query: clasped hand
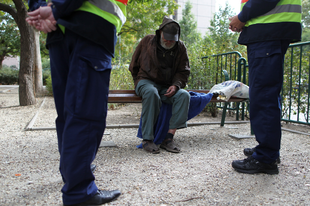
(42, 19)
(235, 24)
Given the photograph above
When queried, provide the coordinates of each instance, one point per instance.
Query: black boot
(249, 151)
(252, 166)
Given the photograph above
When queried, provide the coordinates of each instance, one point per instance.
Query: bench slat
(124, 98)
(129, 96)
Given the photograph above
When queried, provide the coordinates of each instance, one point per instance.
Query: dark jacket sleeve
(255, 8)
(135, 63)
(35, 4)
(63, 8)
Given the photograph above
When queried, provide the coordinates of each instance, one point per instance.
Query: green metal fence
(236, 67)
(296, 80)
(296, 87)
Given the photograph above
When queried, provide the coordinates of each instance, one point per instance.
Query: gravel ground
(200, 175)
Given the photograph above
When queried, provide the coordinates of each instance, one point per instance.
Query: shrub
(8, 76)
(121, 78)
(46, 73)
(49, 87)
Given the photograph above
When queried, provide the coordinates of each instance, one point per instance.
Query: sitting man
(160, 70)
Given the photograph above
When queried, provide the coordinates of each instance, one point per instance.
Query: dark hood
(166, 21)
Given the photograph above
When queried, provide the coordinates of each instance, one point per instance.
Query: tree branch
(8, 9)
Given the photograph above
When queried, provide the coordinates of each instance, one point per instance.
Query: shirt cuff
(242, 18)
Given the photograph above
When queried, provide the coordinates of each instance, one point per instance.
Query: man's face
(167, 44)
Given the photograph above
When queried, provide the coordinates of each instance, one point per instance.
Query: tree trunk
(26, 86)
(38, 64)
(1, 60)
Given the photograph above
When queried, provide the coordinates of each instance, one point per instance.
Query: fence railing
(296, 80)
(236, 66)
(296, 84)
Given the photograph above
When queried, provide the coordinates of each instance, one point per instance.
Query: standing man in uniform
(81, 40)
(267, 28)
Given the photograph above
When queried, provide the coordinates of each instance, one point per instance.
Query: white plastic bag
(230, 88)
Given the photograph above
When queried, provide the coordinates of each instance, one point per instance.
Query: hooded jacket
(145, 63)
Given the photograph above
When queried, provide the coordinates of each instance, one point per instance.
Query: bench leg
(224, 114)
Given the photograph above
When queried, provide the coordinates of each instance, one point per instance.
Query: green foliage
(305, 34)
(306, 20)
(49, 87)
(43, 49)
(220, 41)
(143, 18)
(121, 78)
(306, 13)
(45, 63)
(295, 90)
(223, 39)
(9, 37)
(8, 76)
(188, 24)
(46, 74)
(46, 70)
(200, 76)
(208, 71)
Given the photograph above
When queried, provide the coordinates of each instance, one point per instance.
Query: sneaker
(252, 166)
(249, 151)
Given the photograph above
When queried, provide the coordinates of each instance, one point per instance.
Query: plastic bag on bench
(230, 88)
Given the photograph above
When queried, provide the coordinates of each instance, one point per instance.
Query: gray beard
(162, 43)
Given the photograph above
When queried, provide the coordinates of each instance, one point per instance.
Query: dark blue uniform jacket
(88, 25)
(266, 32)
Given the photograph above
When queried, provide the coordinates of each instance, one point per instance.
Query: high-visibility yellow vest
(285, 11)
(114, 11)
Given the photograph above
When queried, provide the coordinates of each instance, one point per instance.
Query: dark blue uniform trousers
(265, 81)
(80, 78)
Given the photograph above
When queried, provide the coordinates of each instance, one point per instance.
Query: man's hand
(171, 91)
(235, 24)
(42, 19)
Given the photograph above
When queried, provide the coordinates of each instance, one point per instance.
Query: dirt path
(200, 175)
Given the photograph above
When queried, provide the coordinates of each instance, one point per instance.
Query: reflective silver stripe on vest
(110, 7)
(284, 8)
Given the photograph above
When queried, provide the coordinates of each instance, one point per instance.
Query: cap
(171, 32)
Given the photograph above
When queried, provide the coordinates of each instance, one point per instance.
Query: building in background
(203, 11)
(12, 62)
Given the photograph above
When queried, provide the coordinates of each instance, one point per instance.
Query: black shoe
(102, 196)
(93, 167)
(249, 151)
(252, 166)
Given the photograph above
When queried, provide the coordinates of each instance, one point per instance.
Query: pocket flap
(97, 64)
(266, 52)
